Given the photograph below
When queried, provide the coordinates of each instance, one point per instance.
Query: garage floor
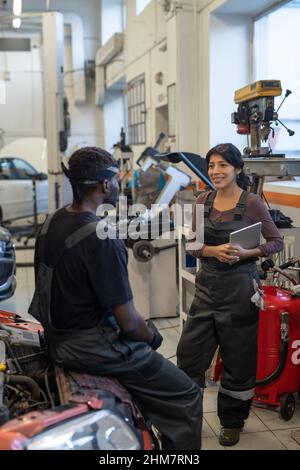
(265, 430)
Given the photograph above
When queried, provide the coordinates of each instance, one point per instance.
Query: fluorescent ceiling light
(17, 7)
(16, 22)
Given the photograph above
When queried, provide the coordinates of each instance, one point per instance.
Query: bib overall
(222, 314)
(170, 398)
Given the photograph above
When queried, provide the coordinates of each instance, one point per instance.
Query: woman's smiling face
(221, 173)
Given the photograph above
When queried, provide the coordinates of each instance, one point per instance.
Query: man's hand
(157, 337)
(132, 324)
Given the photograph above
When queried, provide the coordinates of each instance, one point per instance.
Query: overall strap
(72, 240)
(241, 206)
(40, 306)
(81, 234)
(209, 203)
(46, 225)
(43, 233)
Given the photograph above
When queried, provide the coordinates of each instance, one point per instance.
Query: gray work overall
(222, 314)
(172, 401)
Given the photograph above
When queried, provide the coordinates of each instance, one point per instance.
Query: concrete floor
(264, 430)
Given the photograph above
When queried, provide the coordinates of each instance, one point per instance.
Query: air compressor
(278, 361)
(278, 366)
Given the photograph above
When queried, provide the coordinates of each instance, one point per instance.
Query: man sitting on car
(85, 303)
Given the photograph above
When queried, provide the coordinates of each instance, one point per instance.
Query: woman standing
(222, 312)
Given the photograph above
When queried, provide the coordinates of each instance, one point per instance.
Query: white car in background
(7, 265)
(32, 149)
(16, 189)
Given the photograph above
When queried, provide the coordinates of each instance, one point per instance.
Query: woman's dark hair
(233, 156)
(84, 164)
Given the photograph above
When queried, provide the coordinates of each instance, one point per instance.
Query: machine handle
(288, 263)
(144, 251)
(161, 137)
(269, 264)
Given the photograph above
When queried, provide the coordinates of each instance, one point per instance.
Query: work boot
(229, 436)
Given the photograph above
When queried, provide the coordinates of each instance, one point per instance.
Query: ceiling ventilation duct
(110, 49)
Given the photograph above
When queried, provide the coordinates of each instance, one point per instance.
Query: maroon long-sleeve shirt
(255, 211)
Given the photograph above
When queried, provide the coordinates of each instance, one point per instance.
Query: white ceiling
(248, 7)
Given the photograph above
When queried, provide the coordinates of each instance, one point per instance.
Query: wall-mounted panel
(15, 44)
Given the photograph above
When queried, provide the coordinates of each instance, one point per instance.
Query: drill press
(255, 114)
(253, 118)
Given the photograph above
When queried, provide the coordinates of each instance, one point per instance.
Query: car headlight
(2, 247)
(102, 430)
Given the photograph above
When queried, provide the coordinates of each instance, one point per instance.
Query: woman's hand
(224, 253)
(230, 254)
(227, 253)
(242, 253)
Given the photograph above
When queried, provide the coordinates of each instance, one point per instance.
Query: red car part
(16, 431)
(79, 390)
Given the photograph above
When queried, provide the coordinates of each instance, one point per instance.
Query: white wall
(145, 34)
(114, 119)
(206, 70)
(25, 88)
(224, 64)
(186, 80)
(167, 43)
(112, 18)
(22, 115)
(112, 21)
(144, 38)
(88, 10)
(230, 55)
(141, 30)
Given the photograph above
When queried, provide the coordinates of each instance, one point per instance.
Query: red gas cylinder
(279, 358)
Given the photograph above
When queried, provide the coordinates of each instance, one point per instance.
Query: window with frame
(136, 111)
(276, 56)
(5, 170)
(113, 14)
(23, 170)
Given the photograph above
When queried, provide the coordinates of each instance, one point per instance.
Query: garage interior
(148, 78)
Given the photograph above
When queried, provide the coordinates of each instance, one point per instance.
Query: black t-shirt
(90, 278)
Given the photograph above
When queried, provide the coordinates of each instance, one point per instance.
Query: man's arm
(131, 323)
(113, 291)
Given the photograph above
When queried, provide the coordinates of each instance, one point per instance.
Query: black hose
(282, 362)
(27, 382)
